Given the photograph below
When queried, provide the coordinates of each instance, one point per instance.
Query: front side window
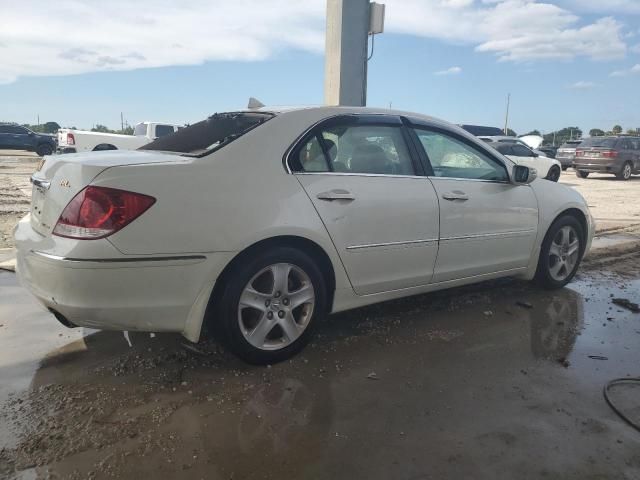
(521, 151)
(453, 158)
(364, 149)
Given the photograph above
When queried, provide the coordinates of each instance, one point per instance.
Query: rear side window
(503, 148)
(162, 130)
(209, 135)
(349, 148)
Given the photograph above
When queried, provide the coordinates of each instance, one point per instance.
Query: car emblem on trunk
(65, 183)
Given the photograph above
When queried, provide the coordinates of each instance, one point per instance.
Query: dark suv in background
(567, 152)
(617, 155)
(15, 137)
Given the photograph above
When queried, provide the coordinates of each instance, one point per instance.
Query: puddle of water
(461, 377)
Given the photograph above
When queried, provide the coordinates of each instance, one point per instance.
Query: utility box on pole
(348, 24)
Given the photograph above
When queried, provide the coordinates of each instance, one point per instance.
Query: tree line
(53, 127)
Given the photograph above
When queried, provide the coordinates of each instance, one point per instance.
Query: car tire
(554, 174)
(44, 149)
(625, 172)
(564, 168)
(581, 174)
(257, 319)
(561, 253)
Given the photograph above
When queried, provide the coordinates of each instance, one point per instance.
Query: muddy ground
(463, 384)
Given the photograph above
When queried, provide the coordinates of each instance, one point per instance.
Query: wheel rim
(276, 306)
(626, 173)
(564, 253)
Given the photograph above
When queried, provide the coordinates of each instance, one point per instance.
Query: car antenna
(254, 104)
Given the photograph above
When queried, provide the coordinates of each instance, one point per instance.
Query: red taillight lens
(71, 140)
(97, 212)
(609, 154)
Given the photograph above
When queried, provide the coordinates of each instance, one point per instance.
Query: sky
(81, 63)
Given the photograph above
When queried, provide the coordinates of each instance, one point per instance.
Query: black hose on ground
(605, 392)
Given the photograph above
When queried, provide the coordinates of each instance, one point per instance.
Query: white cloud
(74, 36)
(450, 71)
(582, 85)
(603, 6)
(635, 70)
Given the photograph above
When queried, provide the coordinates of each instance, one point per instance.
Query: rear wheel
(271, 304)
(554, 174)
(581, 174)
(44, 149)
(561, 253)
(564, 168)
(625, 173)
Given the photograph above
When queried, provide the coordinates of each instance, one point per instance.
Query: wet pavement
(458, 384)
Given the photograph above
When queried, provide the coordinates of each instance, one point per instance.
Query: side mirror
(524, 175)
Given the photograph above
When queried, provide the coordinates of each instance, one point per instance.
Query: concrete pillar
(346, 52)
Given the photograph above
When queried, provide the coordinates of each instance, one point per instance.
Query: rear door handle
(336, 194)
(456, 195)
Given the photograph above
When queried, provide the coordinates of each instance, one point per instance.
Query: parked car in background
(506, 139)
(547, 168)
(292, 214)
(567, 153)
(618, 155)
(16, 137)
(74, 141)
(549, 151)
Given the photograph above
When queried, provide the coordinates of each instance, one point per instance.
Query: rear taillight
(97, 212)
(609, 153)
(579, 153)
(71, 140)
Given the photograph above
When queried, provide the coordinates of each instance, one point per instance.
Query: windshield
(209, 135)
(599, 142)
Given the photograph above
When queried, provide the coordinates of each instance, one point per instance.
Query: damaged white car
(259, 223)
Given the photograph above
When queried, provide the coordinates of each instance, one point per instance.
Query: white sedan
(546, 167)
(259, 223)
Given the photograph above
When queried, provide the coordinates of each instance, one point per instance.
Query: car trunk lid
(59, 178)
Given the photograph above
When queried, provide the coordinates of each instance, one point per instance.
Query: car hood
(532, 141)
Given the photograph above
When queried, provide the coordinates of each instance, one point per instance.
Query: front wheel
(625, 173)
(270, 305)
(44, 149)
(561, 253)
(554, 174)
(581, 174)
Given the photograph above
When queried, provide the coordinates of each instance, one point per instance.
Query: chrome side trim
(516, 233)
(352, 174)
(391, 244)
(117, 260)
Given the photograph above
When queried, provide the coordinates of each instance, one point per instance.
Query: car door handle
(457, 195)
(337, 194)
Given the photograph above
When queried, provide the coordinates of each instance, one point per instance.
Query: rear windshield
(573, 144)
(599, 142)
(209, 135)
(480, 131)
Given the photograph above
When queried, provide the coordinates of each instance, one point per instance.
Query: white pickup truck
(75, 141)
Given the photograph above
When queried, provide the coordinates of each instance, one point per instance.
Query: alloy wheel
(276, 306)
(564, 253)
(626, 171)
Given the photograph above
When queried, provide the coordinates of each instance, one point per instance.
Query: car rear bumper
(66, 150)
(597, 166)
(112, 291)
(565, 161)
